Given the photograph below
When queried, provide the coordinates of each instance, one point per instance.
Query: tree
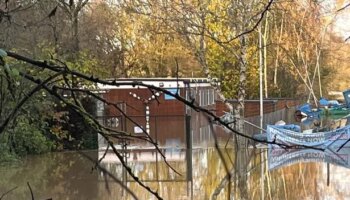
(72, 9)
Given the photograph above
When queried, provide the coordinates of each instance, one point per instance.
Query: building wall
(167, 116)
(136, 107)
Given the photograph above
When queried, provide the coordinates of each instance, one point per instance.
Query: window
(100, 108)
(205, 96)
(212, 96)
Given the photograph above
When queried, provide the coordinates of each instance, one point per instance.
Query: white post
(146, 102)
(261, 79)
(148, 129)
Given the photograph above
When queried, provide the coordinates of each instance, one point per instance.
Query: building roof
(159, 82)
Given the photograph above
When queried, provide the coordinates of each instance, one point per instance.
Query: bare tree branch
(6, 193)
(343, 8)
(102, 169)
(31, 191)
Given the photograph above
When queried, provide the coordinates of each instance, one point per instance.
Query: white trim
(166, 85)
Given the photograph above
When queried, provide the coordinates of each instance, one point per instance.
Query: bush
(5, 155)
(28, 138)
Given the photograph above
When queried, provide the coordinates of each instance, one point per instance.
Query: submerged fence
(286, 114)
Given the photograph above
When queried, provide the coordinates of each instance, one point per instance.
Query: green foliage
(225, 65)
(41, 125)
(28, 130)
(5, 154)
(82, 131)
(28, 138)
(85, 63)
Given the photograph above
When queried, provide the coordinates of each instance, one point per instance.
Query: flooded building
(170, 122)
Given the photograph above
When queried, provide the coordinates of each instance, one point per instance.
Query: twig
(128, 169)
(102, 169)
(6, 193)
(103, 156)
(31, 191)
(343, 8)
(221, 156)
(99, 128)
(348, 140)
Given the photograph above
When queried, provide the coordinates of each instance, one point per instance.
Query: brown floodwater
(201, 173)
(254, 174)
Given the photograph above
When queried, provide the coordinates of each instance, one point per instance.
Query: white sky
(341, 20)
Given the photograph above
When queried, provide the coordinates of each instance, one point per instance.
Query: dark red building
(160, 114)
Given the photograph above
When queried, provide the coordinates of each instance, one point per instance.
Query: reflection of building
(150, 168)
(167, 116)
(145, 155)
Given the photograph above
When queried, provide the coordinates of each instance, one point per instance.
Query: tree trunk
(239, 109)
(201, 56)
(75, 34)
(278, 53)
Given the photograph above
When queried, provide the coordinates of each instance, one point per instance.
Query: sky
(340, 20)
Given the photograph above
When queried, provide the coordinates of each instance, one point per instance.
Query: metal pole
(318, 70)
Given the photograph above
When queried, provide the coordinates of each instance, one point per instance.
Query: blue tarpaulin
(324, 102)
(306, 108)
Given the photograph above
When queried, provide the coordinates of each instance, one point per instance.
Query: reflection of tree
(238, 174)
(67, 175)
(242, 162)
(293, 182)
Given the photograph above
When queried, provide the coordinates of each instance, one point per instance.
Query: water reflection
(203, 175)
(278, 157)
(56, 175)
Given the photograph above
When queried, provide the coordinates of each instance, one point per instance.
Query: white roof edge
(161, 84)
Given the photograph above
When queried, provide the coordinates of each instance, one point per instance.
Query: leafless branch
(102, 169)
(31, 191)
(347, 39)
(8, 192)
(343, 8)
(221, 156)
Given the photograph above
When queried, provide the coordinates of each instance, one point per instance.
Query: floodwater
(201, 173)
(255, 174)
